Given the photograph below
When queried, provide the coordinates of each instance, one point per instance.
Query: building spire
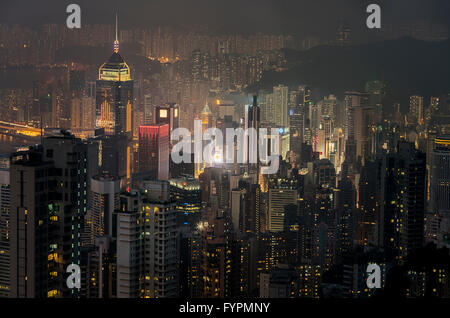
(116, 42)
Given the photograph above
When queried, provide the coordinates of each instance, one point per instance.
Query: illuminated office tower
(245, 208)
(104, 194)
(88, 115)
(440, 188)
(76, 114)
(113, 153)
(114, 102)
(206, 120)
(403, 187)
(254, 122)
(434, 105)
(328, 106)
(376, 94)
(282, 192)
(154, 150)
(280, 109)
(416, 110)
(4, 226)
(296, 122)
(186, 192)
(196, 72)
(114, 94)
(168, 114)
(324, 173)
(358, 125)
(49, 200)
(299, 101)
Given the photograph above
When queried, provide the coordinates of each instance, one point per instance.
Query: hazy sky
(312, 17)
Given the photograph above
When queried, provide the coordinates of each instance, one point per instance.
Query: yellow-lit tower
(114, 93)
(114, 104)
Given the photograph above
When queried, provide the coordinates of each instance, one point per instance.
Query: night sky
(301, 17)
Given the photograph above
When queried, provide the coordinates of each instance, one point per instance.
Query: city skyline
(94, 122)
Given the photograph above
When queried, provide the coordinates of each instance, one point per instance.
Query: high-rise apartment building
(49, 201)
(4, 226)
(104, 192)
(403, 188)
(147, 250)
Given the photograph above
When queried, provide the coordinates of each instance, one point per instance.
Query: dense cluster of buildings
(356, 185)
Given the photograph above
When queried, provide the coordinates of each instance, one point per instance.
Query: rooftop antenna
(116, 42)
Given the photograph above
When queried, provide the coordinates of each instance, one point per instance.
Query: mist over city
(251, 150)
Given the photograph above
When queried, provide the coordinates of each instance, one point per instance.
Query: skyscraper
(154, 150)
(114, 96)
(186, 192)
(254, 120)
(4, 226)
(147, 251)
(440, 188)
(416, 110)
(280, 109)
(168, 114)
(282, 192)
(299, 102)
(245, 208)
(114, 103)
(104, 193)
(358, 124)
(403, 201)
(49, 201)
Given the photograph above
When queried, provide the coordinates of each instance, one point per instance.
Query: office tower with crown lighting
(114, 106)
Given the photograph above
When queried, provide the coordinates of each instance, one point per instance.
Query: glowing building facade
(114, 103)
(154, 150)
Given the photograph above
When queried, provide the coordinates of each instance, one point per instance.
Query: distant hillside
(407, 66)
